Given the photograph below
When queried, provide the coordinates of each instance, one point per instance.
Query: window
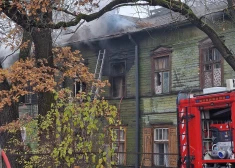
(119, 146)
(30, 98)
(79, 87)
(28, 104)
(117, 79)
(161, 70)
(210, 65)
(161, 146)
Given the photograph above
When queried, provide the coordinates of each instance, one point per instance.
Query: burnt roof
(160, 17)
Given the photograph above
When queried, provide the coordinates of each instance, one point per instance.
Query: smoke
(112, 23)
(106, 25)
(109, 23)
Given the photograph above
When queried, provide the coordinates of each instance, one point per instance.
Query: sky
(136, 11)
(133, 11)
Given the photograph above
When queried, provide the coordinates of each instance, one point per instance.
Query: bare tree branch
(65, 11)
(10, 54)
(172, 5)
(78, 26)
(130, 4)
(57, 36)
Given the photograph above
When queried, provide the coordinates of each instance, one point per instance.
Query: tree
(77, 130)
(75, 127)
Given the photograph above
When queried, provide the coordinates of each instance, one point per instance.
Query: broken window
(210, 67)
(161, 75)
(117, 79)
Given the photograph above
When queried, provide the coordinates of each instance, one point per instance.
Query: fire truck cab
(206, 128)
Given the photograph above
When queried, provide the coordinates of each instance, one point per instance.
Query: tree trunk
(7, 115)
(25, 52)
(11, 113)
(231, 9)
(43, 50)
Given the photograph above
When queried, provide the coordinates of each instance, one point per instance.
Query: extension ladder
(98, 71)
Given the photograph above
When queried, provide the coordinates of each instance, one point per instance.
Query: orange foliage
(41, 78)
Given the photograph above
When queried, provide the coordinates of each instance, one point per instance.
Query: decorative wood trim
(206, 42)
(147, 159)
(161, 50)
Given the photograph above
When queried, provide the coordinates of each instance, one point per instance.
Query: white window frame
(159, 138)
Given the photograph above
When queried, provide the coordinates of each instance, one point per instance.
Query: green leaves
(78, 129)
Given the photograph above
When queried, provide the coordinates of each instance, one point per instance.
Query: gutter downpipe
(137, 106)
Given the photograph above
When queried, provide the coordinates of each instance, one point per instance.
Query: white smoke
(107, 24)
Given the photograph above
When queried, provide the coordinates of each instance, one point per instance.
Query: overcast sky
(134, 11)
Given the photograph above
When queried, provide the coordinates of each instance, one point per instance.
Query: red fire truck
(206, 130)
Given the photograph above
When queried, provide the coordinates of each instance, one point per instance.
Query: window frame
(161, 53)
(78, 90)
(120, 141)
(163, 141)
(206, 44)
(112, 76)
(149, 148)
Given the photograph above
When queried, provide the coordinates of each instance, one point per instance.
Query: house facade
(147, 68)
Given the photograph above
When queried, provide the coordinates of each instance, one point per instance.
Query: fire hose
(5, 159)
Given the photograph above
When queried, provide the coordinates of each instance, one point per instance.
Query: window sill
(162, 94)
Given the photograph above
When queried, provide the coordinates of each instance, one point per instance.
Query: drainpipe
(137, 106)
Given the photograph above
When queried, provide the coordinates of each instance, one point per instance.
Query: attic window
(117, 79)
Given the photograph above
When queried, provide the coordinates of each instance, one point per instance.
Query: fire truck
(206, 128)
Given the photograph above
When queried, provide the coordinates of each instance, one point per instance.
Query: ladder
(183, 120)
(98, 71)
